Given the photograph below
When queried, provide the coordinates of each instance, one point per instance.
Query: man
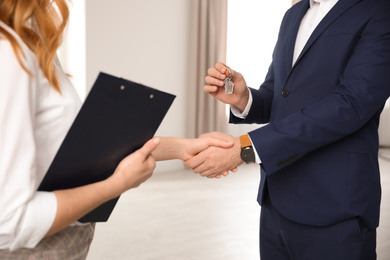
(322, 97)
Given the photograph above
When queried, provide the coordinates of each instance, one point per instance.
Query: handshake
(211, 155)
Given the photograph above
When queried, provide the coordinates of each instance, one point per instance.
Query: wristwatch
(247, 153)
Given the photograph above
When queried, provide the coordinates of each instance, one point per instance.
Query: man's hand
(215, 86)
(216, 161)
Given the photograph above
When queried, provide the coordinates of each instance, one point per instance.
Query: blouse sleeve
(25, 214)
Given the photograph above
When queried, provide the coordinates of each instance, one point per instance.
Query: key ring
(230, 73)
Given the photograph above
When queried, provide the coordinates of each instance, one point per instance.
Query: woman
(37, 106)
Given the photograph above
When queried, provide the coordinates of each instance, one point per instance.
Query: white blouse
(34, 119)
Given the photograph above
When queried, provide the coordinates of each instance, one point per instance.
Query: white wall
(141, 40)
(144, 41)
(257, 22)
(72, 52)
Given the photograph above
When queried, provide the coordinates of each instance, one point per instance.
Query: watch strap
(245, 141)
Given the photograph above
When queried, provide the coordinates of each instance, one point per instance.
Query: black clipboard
(117, 118)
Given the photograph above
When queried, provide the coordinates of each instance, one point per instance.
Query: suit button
(285, 93)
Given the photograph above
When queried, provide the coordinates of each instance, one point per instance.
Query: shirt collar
(312, 2)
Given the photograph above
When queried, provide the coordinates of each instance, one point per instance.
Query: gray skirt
(71, 243)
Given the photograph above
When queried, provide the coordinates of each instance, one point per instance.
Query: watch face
(247, 154)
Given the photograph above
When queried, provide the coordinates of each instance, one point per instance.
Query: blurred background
(169, 45)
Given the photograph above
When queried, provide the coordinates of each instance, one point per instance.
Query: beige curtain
(208, 36)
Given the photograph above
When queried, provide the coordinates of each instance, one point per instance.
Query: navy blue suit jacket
(319, 151)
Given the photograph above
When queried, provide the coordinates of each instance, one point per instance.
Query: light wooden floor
(180, 216)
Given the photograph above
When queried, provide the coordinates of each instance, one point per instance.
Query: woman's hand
(133, 170)
(136, 168)
(195, 146)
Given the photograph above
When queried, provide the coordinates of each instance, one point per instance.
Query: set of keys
(229, 85)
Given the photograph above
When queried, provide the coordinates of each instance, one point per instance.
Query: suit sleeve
(260, 110)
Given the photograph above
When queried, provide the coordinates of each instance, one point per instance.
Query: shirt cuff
(257, 157)
(243, 114)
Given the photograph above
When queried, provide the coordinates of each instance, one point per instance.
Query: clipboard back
(117, 118)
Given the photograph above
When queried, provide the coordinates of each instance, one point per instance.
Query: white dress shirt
(34, 119)
(314, 15)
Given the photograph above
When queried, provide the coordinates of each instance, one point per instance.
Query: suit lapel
(293, 33)
(334, 13)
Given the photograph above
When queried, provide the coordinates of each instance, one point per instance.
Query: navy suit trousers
(282, 239)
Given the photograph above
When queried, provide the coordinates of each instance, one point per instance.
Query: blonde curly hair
(40, 24)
